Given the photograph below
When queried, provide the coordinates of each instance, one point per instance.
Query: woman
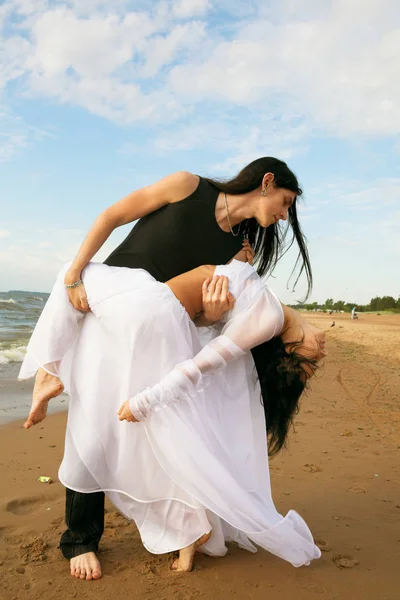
(202, 437)
(184, 221)
(187, 221)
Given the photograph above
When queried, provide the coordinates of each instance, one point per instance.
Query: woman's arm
(142, 202)
(216, 299)
(256, 318)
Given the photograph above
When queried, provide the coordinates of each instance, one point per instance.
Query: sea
(19, 312)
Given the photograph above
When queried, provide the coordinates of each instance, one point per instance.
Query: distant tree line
(375, 304)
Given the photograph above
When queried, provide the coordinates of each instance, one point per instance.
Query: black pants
(84, 516)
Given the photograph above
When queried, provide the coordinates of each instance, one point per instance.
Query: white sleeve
(256, 318)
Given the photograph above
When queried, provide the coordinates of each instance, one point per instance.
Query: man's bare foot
(185, 561)
(85, 566)
(46, 387)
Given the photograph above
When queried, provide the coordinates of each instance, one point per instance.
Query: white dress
(197, 460)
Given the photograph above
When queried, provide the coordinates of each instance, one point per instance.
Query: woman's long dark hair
(269, 243)
(282, 373)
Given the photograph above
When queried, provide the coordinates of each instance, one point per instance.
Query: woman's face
(274, 206)
(312, 347)
(303, 338)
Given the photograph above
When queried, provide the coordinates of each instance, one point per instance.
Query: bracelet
(73, 285)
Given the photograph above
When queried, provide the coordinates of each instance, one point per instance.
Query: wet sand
(341, 472)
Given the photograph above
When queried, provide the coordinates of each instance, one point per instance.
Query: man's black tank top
(178, 237)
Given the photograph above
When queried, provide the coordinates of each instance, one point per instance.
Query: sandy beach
(341, 472)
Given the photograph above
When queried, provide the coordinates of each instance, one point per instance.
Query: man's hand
(124, 413)
(216, 300)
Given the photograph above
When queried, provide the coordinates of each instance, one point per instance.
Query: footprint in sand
(24, 506)
(347, 433)
(357, 489)
(312, 468)
(344, 561)
(34, 550)
(323, 546)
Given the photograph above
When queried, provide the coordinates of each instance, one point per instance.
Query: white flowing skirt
(192, 466)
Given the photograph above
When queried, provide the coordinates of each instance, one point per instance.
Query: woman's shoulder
(241, 275)
(248, 289)
(236, 268)
(181, 185)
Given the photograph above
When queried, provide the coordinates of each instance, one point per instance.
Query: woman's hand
(216, 300)
(249, 251)
(77, 295)
(124, 413)
(246, 254)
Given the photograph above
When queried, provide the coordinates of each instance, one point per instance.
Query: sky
(100, 98)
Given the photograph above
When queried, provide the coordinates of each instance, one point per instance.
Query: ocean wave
(9, 355)
(8, 308)
(10, 301)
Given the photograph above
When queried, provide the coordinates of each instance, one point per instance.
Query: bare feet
(46, 387)
(185, 561)
(85, 566)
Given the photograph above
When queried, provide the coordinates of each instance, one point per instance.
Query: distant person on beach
(195, 460)
(184, 221)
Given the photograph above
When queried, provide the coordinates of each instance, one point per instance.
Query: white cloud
(5, 11)
(93, 47)
(96, 62)
(340, 83)
(162, 50)
(233, 138)
(10, 144)
(16, 134)
(184, 9)
(4, 233)
(315, 68)
(336, 69)
(13, 55)
(269, 137)
(379, 194)
(28, 7)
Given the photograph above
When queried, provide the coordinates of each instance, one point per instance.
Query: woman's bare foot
(85, 566)
(185, 561)
(46, 387)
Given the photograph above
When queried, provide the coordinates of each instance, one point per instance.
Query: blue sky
(100, 98)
